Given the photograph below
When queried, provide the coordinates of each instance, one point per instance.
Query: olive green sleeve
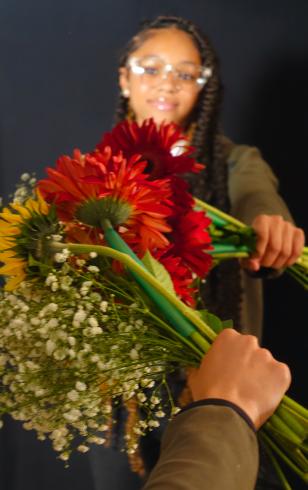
(253, 187)
(206, 448)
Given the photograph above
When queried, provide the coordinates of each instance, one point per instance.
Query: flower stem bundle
(232, 239)
(103, 261)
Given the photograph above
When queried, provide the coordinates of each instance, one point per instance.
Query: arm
(253, 190)
(207, 447)
(212, 445)
(253, 187)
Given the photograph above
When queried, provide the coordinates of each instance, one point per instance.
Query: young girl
(170, 72)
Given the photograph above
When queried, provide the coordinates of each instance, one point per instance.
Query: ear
(124, 81)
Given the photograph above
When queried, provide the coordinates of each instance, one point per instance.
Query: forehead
(172, 45)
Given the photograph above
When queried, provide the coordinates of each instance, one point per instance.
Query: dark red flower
(155, 144)
(190, 240)
(181, 276)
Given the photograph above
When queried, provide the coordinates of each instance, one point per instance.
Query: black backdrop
(57, 91)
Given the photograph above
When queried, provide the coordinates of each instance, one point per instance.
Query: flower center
(94, 211)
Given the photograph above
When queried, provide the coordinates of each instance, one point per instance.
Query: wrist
(249, 407)
(224, 403)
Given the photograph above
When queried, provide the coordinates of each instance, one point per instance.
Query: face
(167, 99)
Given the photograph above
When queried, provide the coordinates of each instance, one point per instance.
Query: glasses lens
(187, 72)
(191, 74)
(152, 69)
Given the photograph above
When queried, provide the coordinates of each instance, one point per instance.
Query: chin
(164, 117)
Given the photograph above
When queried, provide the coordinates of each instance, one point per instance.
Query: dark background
(57, 91)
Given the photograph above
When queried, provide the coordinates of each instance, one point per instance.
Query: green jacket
(253, 190)
(207, 447)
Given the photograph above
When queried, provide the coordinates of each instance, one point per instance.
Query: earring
(125, 93)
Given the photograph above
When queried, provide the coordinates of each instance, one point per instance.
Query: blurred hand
(279, 243)
(238, 370)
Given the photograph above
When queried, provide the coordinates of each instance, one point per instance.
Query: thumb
(251, 264)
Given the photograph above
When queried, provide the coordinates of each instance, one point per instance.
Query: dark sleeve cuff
(225, 403)
(265, 273)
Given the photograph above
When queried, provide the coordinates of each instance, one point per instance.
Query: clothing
(207, 447)
(253, 190)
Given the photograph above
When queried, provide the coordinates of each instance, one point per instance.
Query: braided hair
(222, 292)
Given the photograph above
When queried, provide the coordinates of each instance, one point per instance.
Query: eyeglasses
(153, 69)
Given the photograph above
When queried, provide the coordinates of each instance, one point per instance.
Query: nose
(168, 82)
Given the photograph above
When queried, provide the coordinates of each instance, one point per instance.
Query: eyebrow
(161, 58)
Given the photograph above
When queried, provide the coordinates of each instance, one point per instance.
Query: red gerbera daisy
(98, 186)
(190, 240)
(155, 144)
(181, 276)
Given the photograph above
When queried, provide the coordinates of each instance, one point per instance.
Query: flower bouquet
(232, 239)
(103, 260)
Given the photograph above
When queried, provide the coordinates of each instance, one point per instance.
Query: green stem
(278, 424)
(228, 248)
(292, 422)
(294, 453)
(216, 220)
(302, 420)
(231, 220)
(220, 214)
(295, 406)
(172, 314)
(225, 256)
(282, 455)
(177, 335)
(132, 265)
(276, 465)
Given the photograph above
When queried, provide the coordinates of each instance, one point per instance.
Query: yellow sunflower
(18, 224)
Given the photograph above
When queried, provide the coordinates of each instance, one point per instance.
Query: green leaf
(227, 324)
(211, 320)
(158, 271)
(42, 267)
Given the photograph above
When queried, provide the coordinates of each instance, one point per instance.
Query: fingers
(279, 243)
(283, 248)
(298, 245)
(237, 369)
(285, 375)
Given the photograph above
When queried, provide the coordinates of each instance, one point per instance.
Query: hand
(279, 243)
(238, 370)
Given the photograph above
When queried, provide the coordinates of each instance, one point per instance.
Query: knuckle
(300, 235)
(261, 218)
(266, 354)
(251, 340)
(285, 253)
(228, 333)
(285, 372)
(276, 218)
(274, 249)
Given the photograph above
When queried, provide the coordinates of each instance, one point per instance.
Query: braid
(121, 109)
(222, 291)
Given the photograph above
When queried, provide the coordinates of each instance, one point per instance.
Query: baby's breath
(72, 346)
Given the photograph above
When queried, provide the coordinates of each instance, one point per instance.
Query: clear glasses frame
(156, 69)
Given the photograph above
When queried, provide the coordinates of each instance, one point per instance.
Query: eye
(150, 70)
(186, 76)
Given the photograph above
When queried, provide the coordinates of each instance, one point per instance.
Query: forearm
(207, 447)
(253, 187)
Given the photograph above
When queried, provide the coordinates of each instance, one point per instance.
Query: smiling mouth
(163, 104)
